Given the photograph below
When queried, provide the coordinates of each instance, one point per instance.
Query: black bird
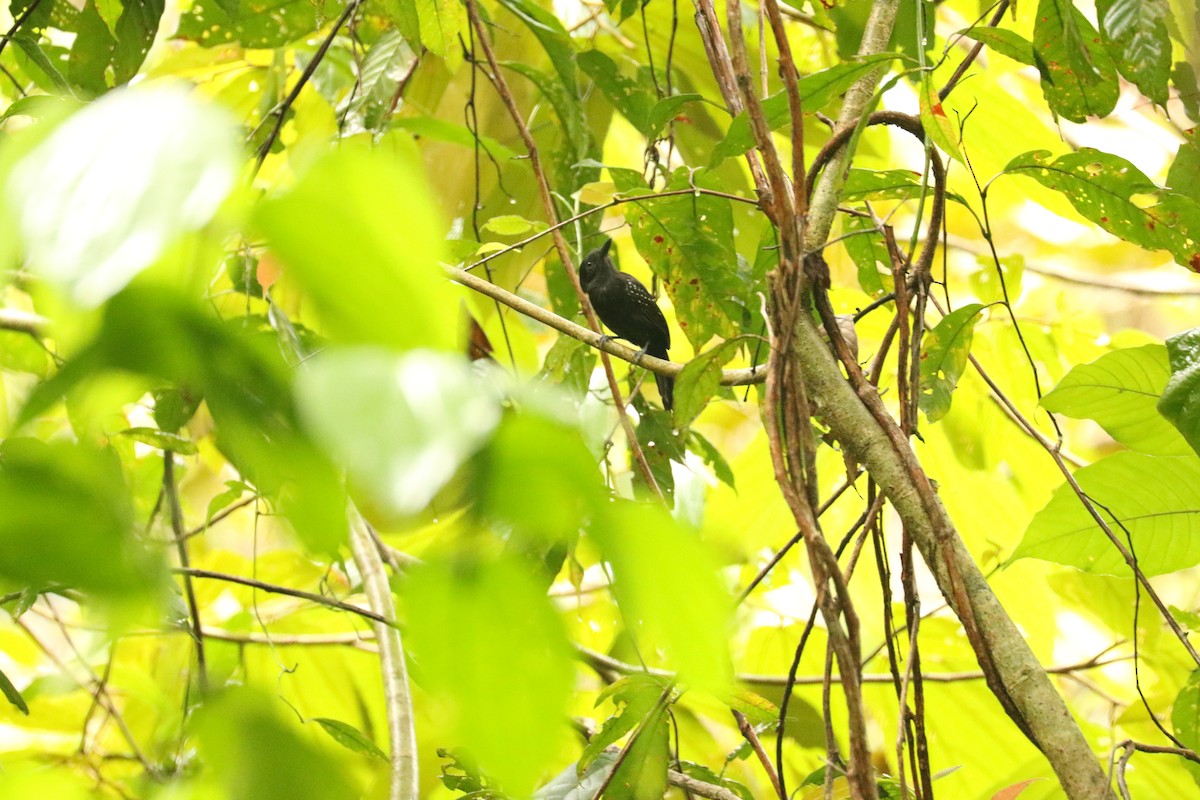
(629, 311)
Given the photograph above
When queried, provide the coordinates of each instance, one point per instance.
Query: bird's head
(595, 264)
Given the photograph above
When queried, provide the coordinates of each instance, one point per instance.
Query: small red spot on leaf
(937, 110)
(658, 240)
(1194, 263)
(1104, 219)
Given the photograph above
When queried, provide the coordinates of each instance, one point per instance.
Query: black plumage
(629, 311)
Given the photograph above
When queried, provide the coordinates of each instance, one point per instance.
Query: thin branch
(12, 319)
(659, 366)
(284, 590)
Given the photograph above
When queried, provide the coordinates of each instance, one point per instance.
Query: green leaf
(12, 695)
(1186, 167)
(537, 478)
(944, 352)
(713, 458)
(937, 126)
(986, 279)
(465, 619)
(39, 106)
(1185, 719)
(21, 352)
(666, 110)
(1005, 42)
(1117, 196)
(149, 332)
(402, 424)
(636, 697)
(816, 91)
(351, 738)
(1135, 33)
(635, 101)
(1078, 77)
(408, 21)
(66, 518)
(359, 233)
(233, 492)
(440, 130)
(39, 66)
(161, 440)
(90, 233)
(1180, 402)
(210, 22)
(120, 43)
(648, 569)
(552, 36)
(378, 79)
(699, 381)
(253, 750)
(889, 184)
(512, 225)
(688, 243)
(441, 23)
(1155, 498)
(1120, 391)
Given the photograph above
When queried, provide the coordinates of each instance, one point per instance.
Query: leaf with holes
(210, 23)
(1120, 391)
(1135, 33)
(688, 242)
(1079, 79)
(1150, 501)
(1117, 196)
(944, 357)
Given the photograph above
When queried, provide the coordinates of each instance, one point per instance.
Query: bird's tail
(666, 384)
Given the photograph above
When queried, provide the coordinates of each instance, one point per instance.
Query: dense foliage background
(310, 486)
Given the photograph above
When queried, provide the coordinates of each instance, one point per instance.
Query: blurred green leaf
(666, 583)
(1186, 167)
(473, 625)
(351, 738)
(12, 695)
(359, 233)
(944, 352)
(636, 697)
(1078, 77)
(251, 749)
(1135, 33)
(21, 352)
(537, 476)
(1117, 196)
(402, 425)
(151, 332)
(117, 183)
(1120, 390)
(986, 279)
(66, 518)
(161, 440)
(1156, 499)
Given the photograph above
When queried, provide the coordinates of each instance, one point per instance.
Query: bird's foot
(637, 357)
(604, 339)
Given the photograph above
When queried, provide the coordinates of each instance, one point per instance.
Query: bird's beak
(604, 247)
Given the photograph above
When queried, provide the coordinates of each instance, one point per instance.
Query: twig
(659, 366)
(284, 590)
(748, 732)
